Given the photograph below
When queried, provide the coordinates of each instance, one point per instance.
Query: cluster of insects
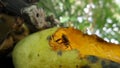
(19, 18)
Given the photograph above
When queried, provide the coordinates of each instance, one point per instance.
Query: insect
(19, 18)
(85, 44)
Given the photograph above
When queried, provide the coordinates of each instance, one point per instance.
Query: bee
(12, 30)
(19, 18)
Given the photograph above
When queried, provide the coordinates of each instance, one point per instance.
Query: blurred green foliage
(101, 17)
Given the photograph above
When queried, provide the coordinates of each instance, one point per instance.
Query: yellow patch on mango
(71, 38)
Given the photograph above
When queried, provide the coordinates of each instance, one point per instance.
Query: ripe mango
(35, 52)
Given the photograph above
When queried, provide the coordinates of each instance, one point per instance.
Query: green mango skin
(34, 52)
